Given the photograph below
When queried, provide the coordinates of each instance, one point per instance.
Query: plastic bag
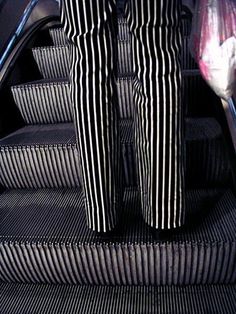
(213, 44)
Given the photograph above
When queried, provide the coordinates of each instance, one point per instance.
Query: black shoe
(105, 236)
(161, 235)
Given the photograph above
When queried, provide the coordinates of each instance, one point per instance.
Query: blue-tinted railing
(232, 107)
(18, 31)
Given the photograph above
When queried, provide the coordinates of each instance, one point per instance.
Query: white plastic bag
(213, 44)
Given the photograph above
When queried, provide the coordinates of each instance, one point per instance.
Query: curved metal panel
(36, 14)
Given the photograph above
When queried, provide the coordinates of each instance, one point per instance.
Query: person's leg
(90, 28)
(156, 44)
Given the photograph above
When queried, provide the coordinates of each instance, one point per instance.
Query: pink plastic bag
(213, 44)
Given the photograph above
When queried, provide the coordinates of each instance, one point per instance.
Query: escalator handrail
(23, 32)
(18, 31)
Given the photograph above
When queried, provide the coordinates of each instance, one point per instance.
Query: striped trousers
(91, 28)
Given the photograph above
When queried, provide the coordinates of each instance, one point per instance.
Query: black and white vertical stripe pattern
(90, 27)
(155, 30)
(156, 42)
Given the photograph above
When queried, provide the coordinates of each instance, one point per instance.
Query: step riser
(125, 65)
(52, 62)
(147, 264)
(124, 46)
(51, 103)
(51, 299)
(58, 37)
(39, 167)
(48, 166)
(47, 241)
(201, 170)
(44, 103)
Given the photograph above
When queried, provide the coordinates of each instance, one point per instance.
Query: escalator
(50, 261)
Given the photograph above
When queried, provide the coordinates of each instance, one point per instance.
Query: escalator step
(124, 46)
(59, 38)
(207, 161)
(44, 102)
(39, 156)
(37, 299)
(125, 59)
(48, 101)
(53, 62)
(44, 239)
(196, 93)
(42, 156)
(49, 151)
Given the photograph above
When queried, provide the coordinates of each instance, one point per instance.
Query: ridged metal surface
(56, 98)
(40, 157)
(124, 45)
(44, 102)
(123, 30)
(59, 39)
(44, 239)
(36, 299)
(58, 36)
(125, 97)
(207, 154)
(125, 64)
(207, 162)
(196, 93)
(47, 156)
(53, 62)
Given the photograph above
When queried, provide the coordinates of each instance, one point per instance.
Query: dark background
(10, 14)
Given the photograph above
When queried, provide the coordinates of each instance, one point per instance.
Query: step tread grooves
(33, 135)
(18, 298)
(58, 215)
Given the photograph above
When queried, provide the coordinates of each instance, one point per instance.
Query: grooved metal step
(196, 93)
(37, 299)
(49, 101)
(53, 62)
(44, 239)
(44, 102)
(59, 38)
(39, 156)
(43, 156)
(207, 162)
